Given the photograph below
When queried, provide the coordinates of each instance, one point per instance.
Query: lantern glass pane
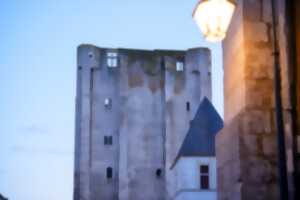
(213, 18)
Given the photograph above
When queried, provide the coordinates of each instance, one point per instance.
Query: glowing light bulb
(213, 18)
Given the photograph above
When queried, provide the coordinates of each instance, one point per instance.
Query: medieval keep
(145, 126)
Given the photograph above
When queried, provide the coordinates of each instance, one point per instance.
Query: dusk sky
(37, 77)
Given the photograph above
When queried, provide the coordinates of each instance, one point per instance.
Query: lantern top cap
(201, 1)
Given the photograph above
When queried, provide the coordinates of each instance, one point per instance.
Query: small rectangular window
(108, 103)
(179, 66)
(112, 59)
(204, 182)
(204, 177)
(204, 169)
(109, 173)
(158, 173)
(108, 140)
(188, 106)
(105, 140)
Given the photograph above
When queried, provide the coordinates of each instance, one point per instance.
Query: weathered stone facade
(295, 89)
(247, 147)
(147, 119)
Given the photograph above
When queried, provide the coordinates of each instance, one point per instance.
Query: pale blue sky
(37, 77)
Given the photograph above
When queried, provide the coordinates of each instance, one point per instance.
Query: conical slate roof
(200, 138)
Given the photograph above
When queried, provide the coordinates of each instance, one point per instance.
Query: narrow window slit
(158, 173)
(188, 106)
(109, 173)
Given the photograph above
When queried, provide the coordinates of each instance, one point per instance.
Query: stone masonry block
(259, 54)
(257, 122)
(253, 6)
(250, 144)
(266, 11)
(257, 170)
(259, 94)
(228, 135)
(269, 145)
(256, 31)
(252, 191)
(258, 71)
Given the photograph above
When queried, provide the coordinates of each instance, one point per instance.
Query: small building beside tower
(195, 163)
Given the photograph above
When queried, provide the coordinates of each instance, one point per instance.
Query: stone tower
(133, 109)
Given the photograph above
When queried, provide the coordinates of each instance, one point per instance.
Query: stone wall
(256, 114)
(246, 147)
(147, 119)
(105, 83)
(181, 88)
(142, 132)
(289, 43)
(296, 90)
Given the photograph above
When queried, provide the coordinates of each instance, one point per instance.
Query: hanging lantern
(213, 18)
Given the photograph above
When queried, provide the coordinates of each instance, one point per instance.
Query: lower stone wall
(247, 165)
(247, 147)
(228, 163)
(297, 96)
